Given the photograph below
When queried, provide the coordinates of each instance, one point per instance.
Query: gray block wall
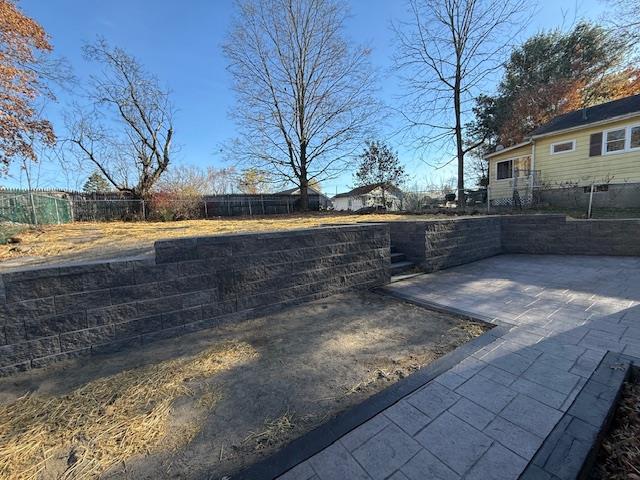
(437, 244)
(50, 314)
(557, 235)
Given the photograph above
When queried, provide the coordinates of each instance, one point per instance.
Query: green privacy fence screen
(34, 209)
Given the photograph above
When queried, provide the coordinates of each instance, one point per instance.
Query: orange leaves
(22, 41)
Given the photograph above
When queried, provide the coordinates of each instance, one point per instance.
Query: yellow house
(590, 152)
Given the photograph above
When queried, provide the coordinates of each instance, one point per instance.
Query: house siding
(579, 168)
(575, 168)
(366, 200)
(503, 189)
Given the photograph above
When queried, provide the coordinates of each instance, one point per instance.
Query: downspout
(489, 187)
(533, 167)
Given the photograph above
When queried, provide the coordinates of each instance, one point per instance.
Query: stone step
(400, 267)
(397, 257)
(404, 276)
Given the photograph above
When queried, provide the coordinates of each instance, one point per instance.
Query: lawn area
(86, 241)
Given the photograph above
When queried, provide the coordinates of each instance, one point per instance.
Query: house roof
(367, 189)
(292, 191)
(622, 107)
(504, 150)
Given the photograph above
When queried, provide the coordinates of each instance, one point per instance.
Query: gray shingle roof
(597, 113)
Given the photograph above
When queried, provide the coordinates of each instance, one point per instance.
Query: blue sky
(180, 42)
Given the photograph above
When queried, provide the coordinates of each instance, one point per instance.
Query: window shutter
(595, 144)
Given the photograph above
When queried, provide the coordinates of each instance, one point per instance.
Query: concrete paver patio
(486, 417)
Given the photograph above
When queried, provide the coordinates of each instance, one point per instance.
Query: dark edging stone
(321, 437)
(570, 450)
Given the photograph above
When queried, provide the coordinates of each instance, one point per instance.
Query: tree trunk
(460, 200)
(304, 195)
(304, 179)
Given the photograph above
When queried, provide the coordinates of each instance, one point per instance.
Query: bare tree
(127, 130)
(186, 181)
(446, 52)
(252, 181)
(221, 181)
(624, 18)
(304, 95)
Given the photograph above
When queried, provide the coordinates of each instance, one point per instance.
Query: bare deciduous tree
(623, 14)
(127, 131)
(304, 95)
(186, 180)
(446, 52)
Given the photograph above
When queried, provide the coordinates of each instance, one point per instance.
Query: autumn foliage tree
(550, 74)
(253, 181)
(23, 48)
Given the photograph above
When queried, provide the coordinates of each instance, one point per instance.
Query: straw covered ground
(102, 240)
(619, 455)
(210, 403)
(106, 421)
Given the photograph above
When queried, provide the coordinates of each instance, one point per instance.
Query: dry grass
(472, 329)
(273, 432)
(619, 456)
(83, 237)
(106, 421)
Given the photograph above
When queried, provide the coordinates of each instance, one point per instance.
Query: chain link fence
(34, 209)
(579, 199)
(44, 207)
(432, 201)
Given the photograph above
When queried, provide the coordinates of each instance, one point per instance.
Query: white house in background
(369, 196)
(315, 196)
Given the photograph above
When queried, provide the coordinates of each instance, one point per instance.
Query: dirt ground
(287, 373)
(90, 241)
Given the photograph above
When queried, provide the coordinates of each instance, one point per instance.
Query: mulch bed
(619, 455)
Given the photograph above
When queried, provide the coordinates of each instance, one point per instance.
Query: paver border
(570, 450)
(324, 435)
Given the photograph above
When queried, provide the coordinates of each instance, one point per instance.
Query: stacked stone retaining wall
(437, 244)
(50, 314)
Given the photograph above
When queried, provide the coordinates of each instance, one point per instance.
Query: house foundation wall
(616, 196)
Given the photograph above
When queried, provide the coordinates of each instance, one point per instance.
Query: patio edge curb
(570, 450)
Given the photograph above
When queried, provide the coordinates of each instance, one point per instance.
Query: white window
(634, 137)
(563, 147)
(614, 140)
(504, 170)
